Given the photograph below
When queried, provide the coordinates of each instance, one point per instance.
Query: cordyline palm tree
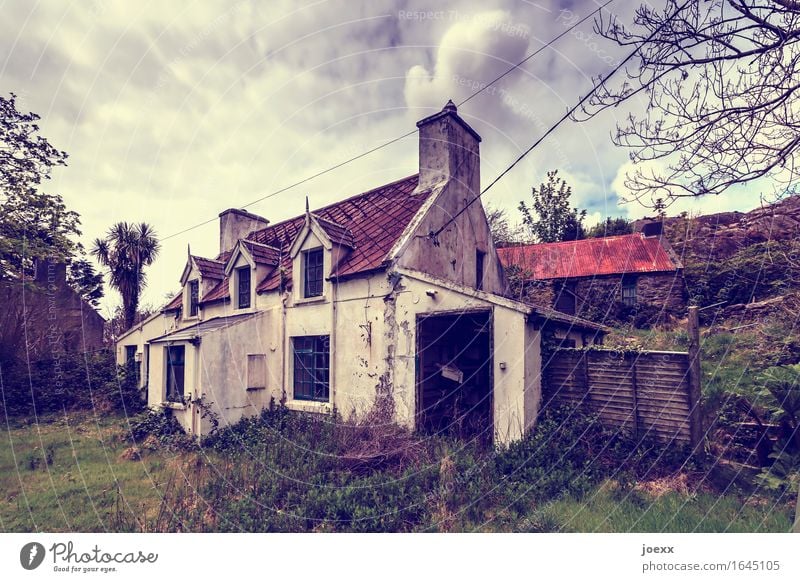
(126, 250)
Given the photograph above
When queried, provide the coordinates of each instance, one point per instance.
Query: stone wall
(661, 295)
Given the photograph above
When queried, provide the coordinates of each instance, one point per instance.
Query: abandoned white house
(354, 300)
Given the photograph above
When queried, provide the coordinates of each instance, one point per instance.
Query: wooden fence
(645, 393)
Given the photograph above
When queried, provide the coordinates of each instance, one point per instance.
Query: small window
(194, 297)
(175, 373)
(312, 273)
(243, 276)
(311, 367)
(479, 259)
(565, 300)
(629, 291)
(130, 362)
(256, 371)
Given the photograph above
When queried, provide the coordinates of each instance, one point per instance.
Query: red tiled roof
(630, 253)
(209, 268)
(261, 253)
(336, 232)
(217, 293)
(374, 219)
(175, 303)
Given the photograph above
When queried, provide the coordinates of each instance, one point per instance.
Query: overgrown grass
(607, 509)
(283, 471)
(63, 474)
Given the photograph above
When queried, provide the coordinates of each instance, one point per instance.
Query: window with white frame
(243, 287)
(312, 273)
(194, 297)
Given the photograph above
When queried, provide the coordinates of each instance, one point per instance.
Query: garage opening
(454, 375)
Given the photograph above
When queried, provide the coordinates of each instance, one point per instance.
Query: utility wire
(435, 233)
(405, 135)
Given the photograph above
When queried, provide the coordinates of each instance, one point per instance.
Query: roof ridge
(261, 244)
(577, 240)
(207, 259)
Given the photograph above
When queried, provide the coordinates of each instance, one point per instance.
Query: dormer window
(243, 295)
(312, 273)
(194, 297)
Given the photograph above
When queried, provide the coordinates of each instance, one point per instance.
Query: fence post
(796, 528)
(695, 414)
(635, 387)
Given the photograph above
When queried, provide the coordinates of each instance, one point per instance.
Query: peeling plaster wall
(454, 257)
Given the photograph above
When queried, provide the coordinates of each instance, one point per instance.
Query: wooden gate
(645, 393)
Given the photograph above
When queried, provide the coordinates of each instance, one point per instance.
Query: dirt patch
(677, 483)
(131, 454)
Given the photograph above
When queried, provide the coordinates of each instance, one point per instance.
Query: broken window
(312, 271)
(175, 373)
(311, 367)
(243, 275)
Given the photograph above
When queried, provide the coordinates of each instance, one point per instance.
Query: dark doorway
(454, 375)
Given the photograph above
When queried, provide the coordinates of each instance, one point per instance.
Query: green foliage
(611, 227)
(71, 381)
(125, 251)
(781, 389)
(33, 225)
(758, 271)
(550, 217)
(85, 281)
(160, 424)
(284, 471)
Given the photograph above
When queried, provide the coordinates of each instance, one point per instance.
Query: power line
(433, 234)
(405, 135)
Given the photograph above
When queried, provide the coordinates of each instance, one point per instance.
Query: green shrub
(85, 381)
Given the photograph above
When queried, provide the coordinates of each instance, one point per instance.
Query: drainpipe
(284, 347)
(332, 359)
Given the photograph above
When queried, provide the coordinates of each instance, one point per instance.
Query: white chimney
(235, 224)
(448, 149)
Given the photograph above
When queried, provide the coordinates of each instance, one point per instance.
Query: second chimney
(448, 149)
(235, 224)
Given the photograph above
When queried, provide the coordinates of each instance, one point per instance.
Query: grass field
(63, 473)
(76, 473)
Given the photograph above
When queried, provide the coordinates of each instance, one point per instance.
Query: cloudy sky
(173, 112)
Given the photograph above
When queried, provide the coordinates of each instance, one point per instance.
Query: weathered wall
(223, 368)
(516, 353)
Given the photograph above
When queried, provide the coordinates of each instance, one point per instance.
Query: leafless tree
(719, 81)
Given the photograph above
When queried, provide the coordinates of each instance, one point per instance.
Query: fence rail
(645, 393)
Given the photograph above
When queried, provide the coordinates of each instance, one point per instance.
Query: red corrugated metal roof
(591, 257)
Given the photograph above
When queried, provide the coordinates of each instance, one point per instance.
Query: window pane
(313, 273)
(244, 287)
(311, 367)
(175, 373)
(194, 297)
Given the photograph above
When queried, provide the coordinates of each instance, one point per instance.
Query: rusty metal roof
(591, 257)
